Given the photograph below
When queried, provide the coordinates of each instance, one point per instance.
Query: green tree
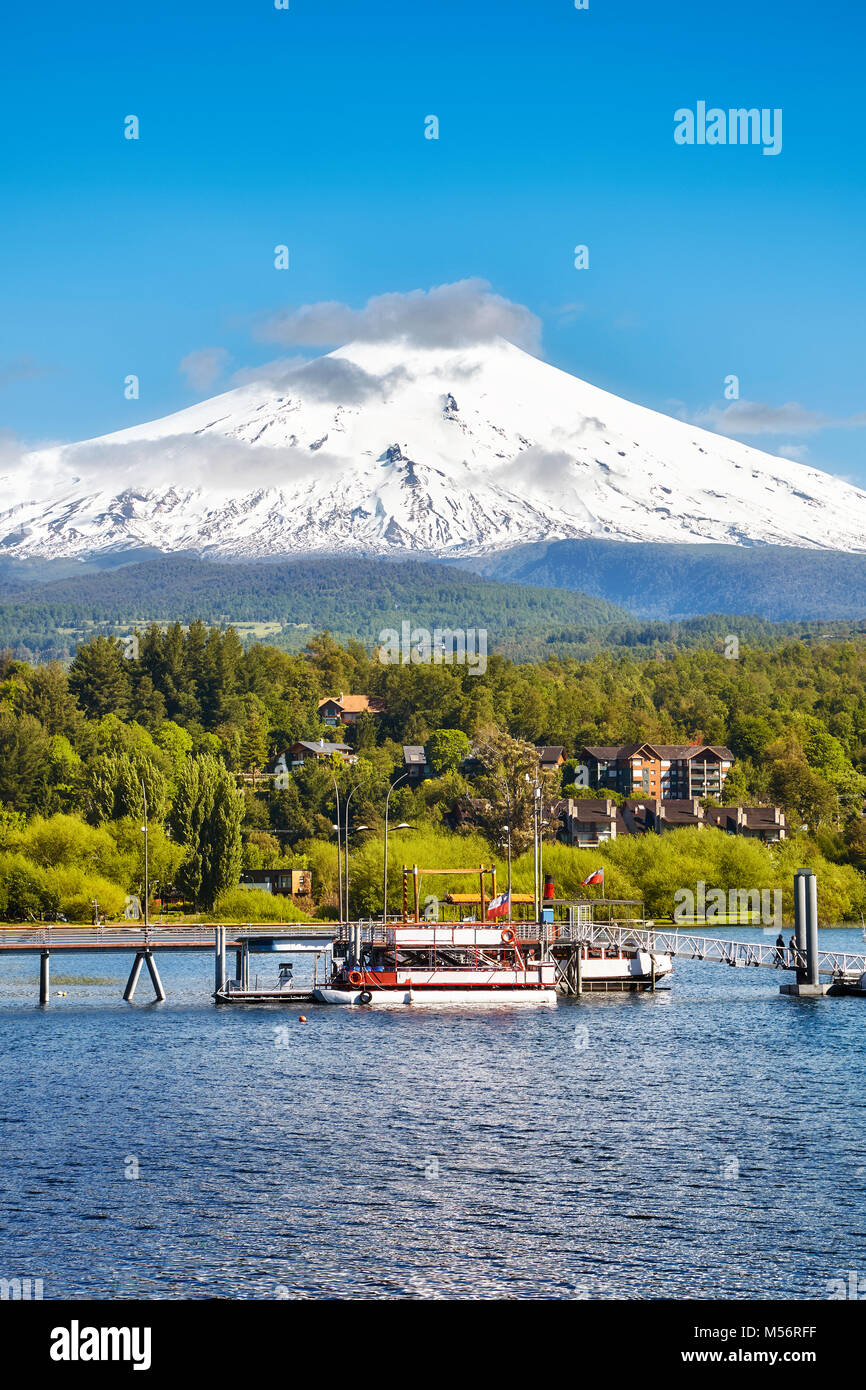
(513, 764)
(99, 678)
(206, 819)
(24, 747)
(253, 750)
(290, 814)
(446, 749)
(114, 787)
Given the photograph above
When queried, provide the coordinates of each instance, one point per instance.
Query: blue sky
(306, 127)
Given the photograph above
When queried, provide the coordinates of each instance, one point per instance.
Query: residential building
(294, 883)
(347, 709)
(415, 761)
(302, 751)
(668, 772)
(550, 756)
(764, 823)
(587, 822)
(673, 814)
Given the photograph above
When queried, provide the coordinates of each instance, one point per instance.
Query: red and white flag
(498, 907)
(597, 876)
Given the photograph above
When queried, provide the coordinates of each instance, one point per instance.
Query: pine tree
(99, 678)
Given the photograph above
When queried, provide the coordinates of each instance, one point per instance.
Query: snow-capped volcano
(384, 448)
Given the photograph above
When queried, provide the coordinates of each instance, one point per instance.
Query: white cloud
(204, 366)
(453, 315)
(756, 417)
(322, 379)
(183, 462)
(797, 453)
(273, 374)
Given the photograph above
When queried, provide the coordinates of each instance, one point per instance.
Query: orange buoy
(303, 1018)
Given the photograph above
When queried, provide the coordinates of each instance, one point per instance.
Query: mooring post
(154, 976)
(808, 984)
(245, 964)
(44, 977)
(219, 969)
(800, 917)
(579, 964)
(133, 975)
(812, 930)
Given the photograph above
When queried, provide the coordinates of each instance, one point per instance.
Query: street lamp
(504, 782)
(395, 783)
(536, 844)
(346, 840)
(339, 857)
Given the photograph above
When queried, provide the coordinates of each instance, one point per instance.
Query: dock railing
(710, 948)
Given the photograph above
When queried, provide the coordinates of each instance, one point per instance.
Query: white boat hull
(435, 995)
(617, 972)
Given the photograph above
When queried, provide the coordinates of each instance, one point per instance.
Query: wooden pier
(44, 940)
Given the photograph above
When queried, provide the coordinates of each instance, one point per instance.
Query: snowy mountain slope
(382, 448)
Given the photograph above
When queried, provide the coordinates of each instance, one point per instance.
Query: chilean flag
(597, 876)
(498, 907)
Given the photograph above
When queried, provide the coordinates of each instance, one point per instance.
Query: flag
(597, 876)
(498, 907)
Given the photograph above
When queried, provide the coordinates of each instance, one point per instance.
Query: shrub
(25, 892)
(255, 905)
(61, 839)
(74, 890)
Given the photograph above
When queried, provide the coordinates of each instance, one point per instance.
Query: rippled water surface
(709, 1140)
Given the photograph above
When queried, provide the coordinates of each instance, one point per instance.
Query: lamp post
(395, 783)
(339, 857)
(504, 782)
(346, 840)
(536, 846)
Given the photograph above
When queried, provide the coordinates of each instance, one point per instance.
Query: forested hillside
(673, 581)
(196, 717)
(285, 603)
(288, 602)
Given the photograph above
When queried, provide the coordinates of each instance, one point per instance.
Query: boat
(440, 964)
(614, 968)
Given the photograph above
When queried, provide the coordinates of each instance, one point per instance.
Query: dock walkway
(710, 948)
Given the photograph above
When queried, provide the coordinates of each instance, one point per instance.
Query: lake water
(709, 1140)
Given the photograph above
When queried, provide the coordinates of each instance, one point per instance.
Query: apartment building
(667, 772)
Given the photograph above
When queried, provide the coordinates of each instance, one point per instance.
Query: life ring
(507, 935)
(355, 977)
(366, 996)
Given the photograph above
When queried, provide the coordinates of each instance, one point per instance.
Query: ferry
(603, 969)
(442, 964)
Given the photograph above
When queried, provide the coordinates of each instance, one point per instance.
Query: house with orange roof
(346, 709)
